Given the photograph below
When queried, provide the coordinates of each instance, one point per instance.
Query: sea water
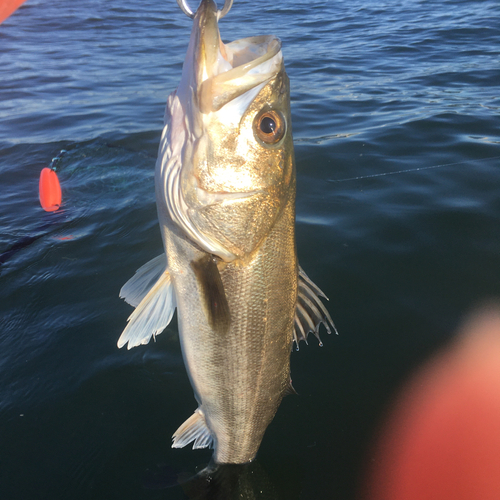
(395, 110)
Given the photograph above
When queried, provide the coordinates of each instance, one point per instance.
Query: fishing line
(411, 170)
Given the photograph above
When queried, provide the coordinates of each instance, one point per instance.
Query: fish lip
(208, 198)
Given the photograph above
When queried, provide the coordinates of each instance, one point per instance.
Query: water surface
(396, 122)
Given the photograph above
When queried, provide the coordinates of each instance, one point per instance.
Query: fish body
(225, 192)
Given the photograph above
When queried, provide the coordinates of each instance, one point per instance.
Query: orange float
(50, 190)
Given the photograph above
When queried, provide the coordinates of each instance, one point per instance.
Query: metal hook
(221, 13)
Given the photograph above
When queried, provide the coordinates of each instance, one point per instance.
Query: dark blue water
(396, 122)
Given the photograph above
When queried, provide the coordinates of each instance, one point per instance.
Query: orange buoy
(50, 190)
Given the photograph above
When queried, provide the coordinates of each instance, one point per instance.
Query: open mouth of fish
(223, 72)
(207, 198)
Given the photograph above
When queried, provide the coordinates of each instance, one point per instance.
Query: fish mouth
(207, 198)
(223, 72)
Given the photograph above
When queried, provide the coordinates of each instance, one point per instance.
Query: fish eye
(269, 127)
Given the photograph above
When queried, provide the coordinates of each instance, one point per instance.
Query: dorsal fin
(310, 311)
(137, 287)
(151, 290)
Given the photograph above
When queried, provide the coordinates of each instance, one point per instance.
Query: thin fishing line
(411, 170)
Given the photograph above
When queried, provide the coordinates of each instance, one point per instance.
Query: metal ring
(221, 13)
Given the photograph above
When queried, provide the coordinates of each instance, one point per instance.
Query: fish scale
(260, 344)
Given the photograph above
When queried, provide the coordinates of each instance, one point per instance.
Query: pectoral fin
(212, 293)
(310, 311)
(193, 429)
(156, 303)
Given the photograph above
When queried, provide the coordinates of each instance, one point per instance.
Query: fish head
(228, 162)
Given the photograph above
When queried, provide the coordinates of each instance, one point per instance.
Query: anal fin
(310, 311)
(193, 429)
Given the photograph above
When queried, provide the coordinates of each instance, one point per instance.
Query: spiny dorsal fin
(310, 311)
(156, 307)
(212, 292)
(193, 429)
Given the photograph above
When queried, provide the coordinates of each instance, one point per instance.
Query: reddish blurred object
(442, 441)
(7, 7)
(50, 190)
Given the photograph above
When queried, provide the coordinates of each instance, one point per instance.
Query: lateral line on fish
(411, 170)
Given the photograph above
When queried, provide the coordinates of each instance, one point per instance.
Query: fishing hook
(221, 13)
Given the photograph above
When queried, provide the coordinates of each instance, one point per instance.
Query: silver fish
(225, 192)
